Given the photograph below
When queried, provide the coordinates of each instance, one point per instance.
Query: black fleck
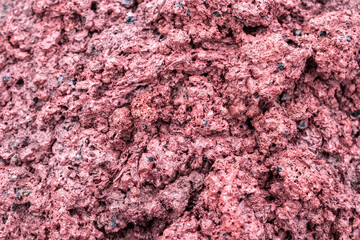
(187, 95)
(286, 133)
(35, 100)
(205, 122)
(250, 194)
(356, 113)
(149, 159)
(144, 126)
(348, 38)
(323, 33)
(188, 12)
(8, 70)
(14, 206)
(357, 134)
(279, 168)
(5, 7)
(130, 20)
(302, 124)
(280, 66)
(217, 14)
(256, 95)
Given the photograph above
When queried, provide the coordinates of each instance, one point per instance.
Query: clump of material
(148, 119)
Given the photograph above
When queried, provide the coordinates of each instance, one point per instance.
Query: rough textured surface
(145, 119)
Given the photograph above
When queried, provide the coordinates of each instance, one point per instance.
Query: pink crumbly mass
(179, 119)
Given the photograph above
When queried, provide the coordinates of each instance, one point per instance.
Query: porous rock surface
(179, 119)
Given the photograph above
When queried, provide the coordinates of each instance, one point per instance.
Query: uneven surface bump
(179, 119)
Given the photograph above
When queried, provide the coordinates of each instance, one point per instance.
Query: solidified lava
(179, 119)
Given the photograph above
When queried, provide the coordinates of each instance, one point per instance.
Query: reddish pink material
(166, 119)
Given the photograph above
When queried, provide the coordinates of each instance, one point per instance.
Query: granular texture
(179, 119)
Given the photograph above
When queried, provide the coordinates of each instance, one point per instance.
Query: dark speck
(14, 206)
(323, 33)
(188, 12)
(8, 70)
(256, 95)
(225, 235)
(348, 38)
(144, 126)
(280, 66)
(129, 20)
(6, 79)
(5, 7)
(113, 222)
(35, 100)
(297, 32)
(279, 168)
(149, 159)
(302, 124)
(286, 133)
(356, 113)
(179, 5)
(205, 122)
(187, 95)
(347, 25)
(217, 14)
(357, 134)
(92, 47)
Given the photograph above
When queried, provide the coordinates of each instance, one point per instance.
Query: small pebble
(113, 222)
(130, 20)
(302, 124)
(187, 95)
(280, 66)
(6, 79)
(297, 32)
(35, 100)
(78, 156)
(179, 5)
(323, 33)
(149, 159)
(217, 14)
(250, 194)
